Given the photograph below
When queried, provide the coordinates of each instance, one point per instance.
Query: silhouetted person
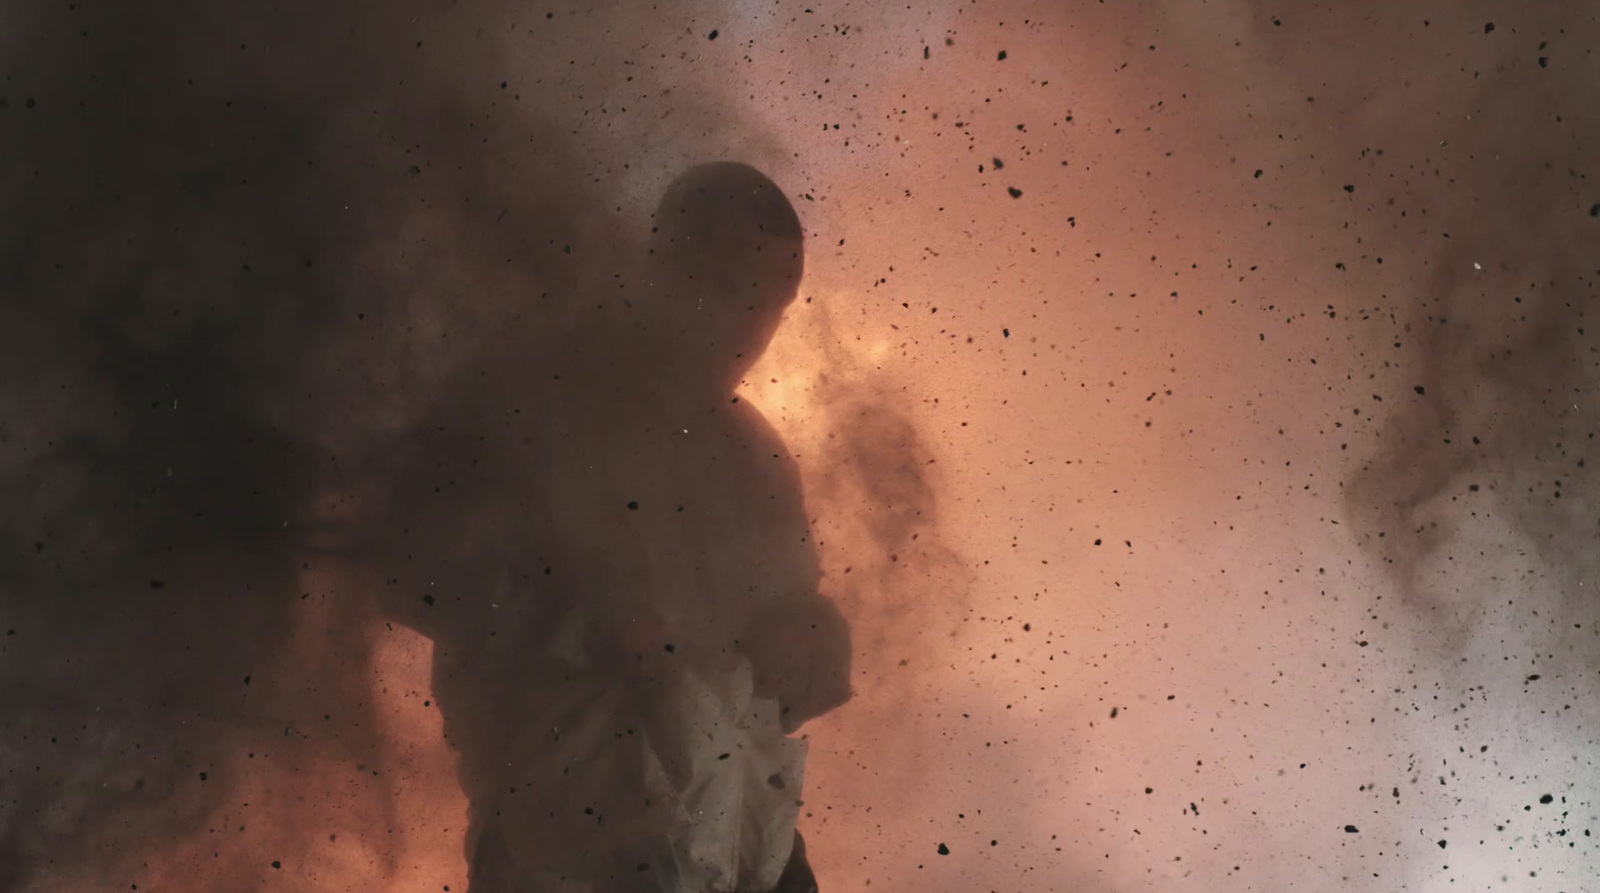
(642, 599)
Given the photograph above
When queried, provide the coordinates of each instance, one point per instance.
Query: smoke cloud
(1168, 469)
(326, 321)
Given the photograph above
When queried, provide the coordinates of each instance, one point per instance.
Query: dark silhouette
(652, 548)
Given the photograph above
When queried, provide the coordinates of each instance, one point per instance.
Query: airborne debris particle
(1487, 27)
(944, 850)
(1349, 187)
(1015, 192)
(1002, 55)
(1350, 829)
(712, 35)
(1546, 798)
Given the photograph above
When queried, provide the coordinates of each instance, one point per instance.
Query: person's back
(687, 621)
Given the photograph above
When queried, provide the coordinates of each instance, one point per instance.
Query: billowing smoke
(1191, 401)
(1476, 490)
(312, 292)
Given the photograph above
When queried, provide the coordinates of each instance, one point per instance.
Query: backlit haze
(1192, 400)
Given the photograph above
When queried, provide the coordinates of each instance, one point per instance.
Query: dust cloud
(1184, 405)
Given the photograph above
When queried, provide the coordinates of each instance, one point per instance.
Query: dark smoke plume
(1487, 466)
(295, 280)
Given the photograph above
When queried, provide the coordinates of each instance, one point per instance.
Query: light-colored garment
(599, 786)
(736, 820)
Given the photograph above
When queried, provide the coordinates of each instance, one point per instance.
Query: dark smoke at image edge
(239, 288)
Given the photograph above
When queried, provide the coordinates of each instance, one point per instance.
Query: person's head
(727, 260)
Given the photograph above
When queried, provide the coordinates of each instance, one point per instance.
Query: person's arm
(799, 651)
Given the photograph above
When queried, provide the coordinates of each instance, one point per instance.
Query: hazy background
(1211, 507)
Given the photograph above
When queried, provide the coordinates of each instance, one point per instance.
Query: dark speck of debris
(1420, 389)
(924, 52)
(1349, 187)
(1149, 790)
(427, 600)
(1002, 55)
(1546, 798)
(1544, 61)
(633, 506)
(1006, 332)
(1258, 173)
(1534, 678)
(157, 584)
(712, 35)
(1487, 27)
(1442, 844)
(669, 648)
(944, 850)
(1350, 829)
(276, 864)
(998, 164)
(1594, 210)
(1015, 192)
(1114, 712)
